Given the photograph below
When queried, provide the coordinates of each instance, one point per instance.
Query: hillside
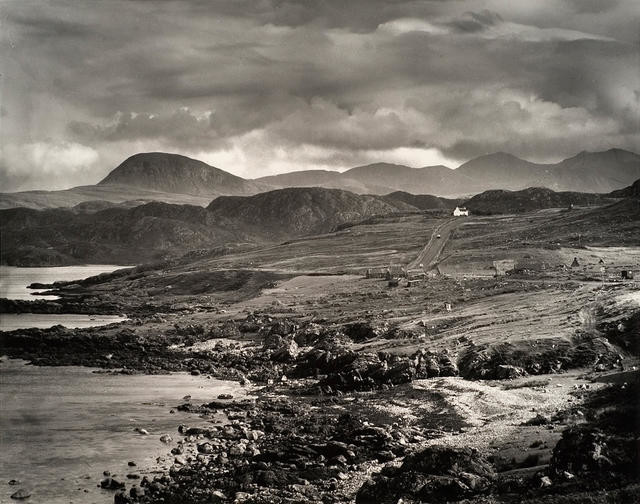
(438, 180)
(533, 198)
(115, 235)
(299, 211)
(617, 224)
(158, 230)
(424, 201)
(172, 173)
(505, 171)
(633, 191)
(112, 194)
(600, 172)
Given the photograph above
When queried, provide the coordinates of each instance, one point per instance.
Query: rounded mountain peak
(173, 173)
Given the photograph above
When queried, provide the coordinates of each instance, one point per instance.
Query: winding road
(432, 250)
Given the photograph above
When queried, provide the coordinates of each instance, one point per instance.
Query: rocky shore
(284, 448)
(333, 422)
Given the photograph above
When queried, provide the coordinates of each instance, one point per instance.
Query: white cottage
(461, 211)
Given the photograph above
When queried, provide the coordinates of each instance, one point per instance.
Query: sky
(259, 87)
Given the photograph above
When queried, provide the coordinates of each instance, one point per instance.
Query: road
(432, 250)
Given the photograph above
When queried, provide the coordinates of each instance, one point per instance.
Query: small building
(460, 211)
(395, 271)
(504, 266)
(415, 273)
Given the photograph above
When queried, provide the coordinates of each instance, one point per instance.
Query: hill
(299, 211)
(115, 235)
(113, 194)
(425, 201)
(172, 173)
(533, 198)
(158, 230)
(633, 191)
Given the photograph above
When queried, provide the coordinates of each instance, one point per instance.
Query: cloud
(263, 85)
(48, 165)
(181, 128)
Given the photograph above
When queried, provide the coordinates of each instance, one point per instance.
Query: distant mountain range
(103, 232)
(172, 178)
(595, 172)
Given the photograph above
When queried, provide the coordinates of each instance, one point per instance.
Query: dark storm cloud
(472, 22)
(593, 6)
(44, 28)
(292, 83)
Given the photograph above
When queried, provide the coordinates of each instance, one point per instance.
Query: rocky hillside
(172, 173)
(158, 230)
(533, 198)
(116, 235)
(299, 211)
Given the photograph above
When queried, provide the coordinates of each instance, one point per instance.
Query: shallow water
(14, 280)
(13, 285)
(61, 427)
(12, 321)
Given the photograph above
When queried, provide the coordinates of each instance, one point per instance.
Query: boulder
(437, 474)
(508, 372)
(21, 494)
(583, 450)
(111, 484)
(287, 352)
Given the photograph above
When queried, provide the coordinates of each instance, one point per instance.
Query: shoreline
(325, 418)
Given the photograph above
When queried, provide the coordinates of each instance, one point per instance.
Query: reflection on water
(13, 285)
(61, 427)
(14, 280)
(12, 321)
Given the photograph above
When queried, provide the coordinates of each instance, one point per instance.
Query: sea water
(13, 285)
(61, 427)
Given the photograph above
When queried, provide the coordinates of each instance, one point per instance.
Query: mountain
(504, 171)
(597, 172)
(600, 172)
(145, 177)
(172, 173)
(438, 180)
(533, 198)
(633, 191)
(178, 179)
(323, 178)
(158, 230)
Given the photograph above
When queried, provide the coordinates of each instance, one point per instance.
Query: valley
(510, 375)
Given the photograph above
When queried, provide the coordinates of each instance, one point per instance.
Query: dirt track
(429, 254)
